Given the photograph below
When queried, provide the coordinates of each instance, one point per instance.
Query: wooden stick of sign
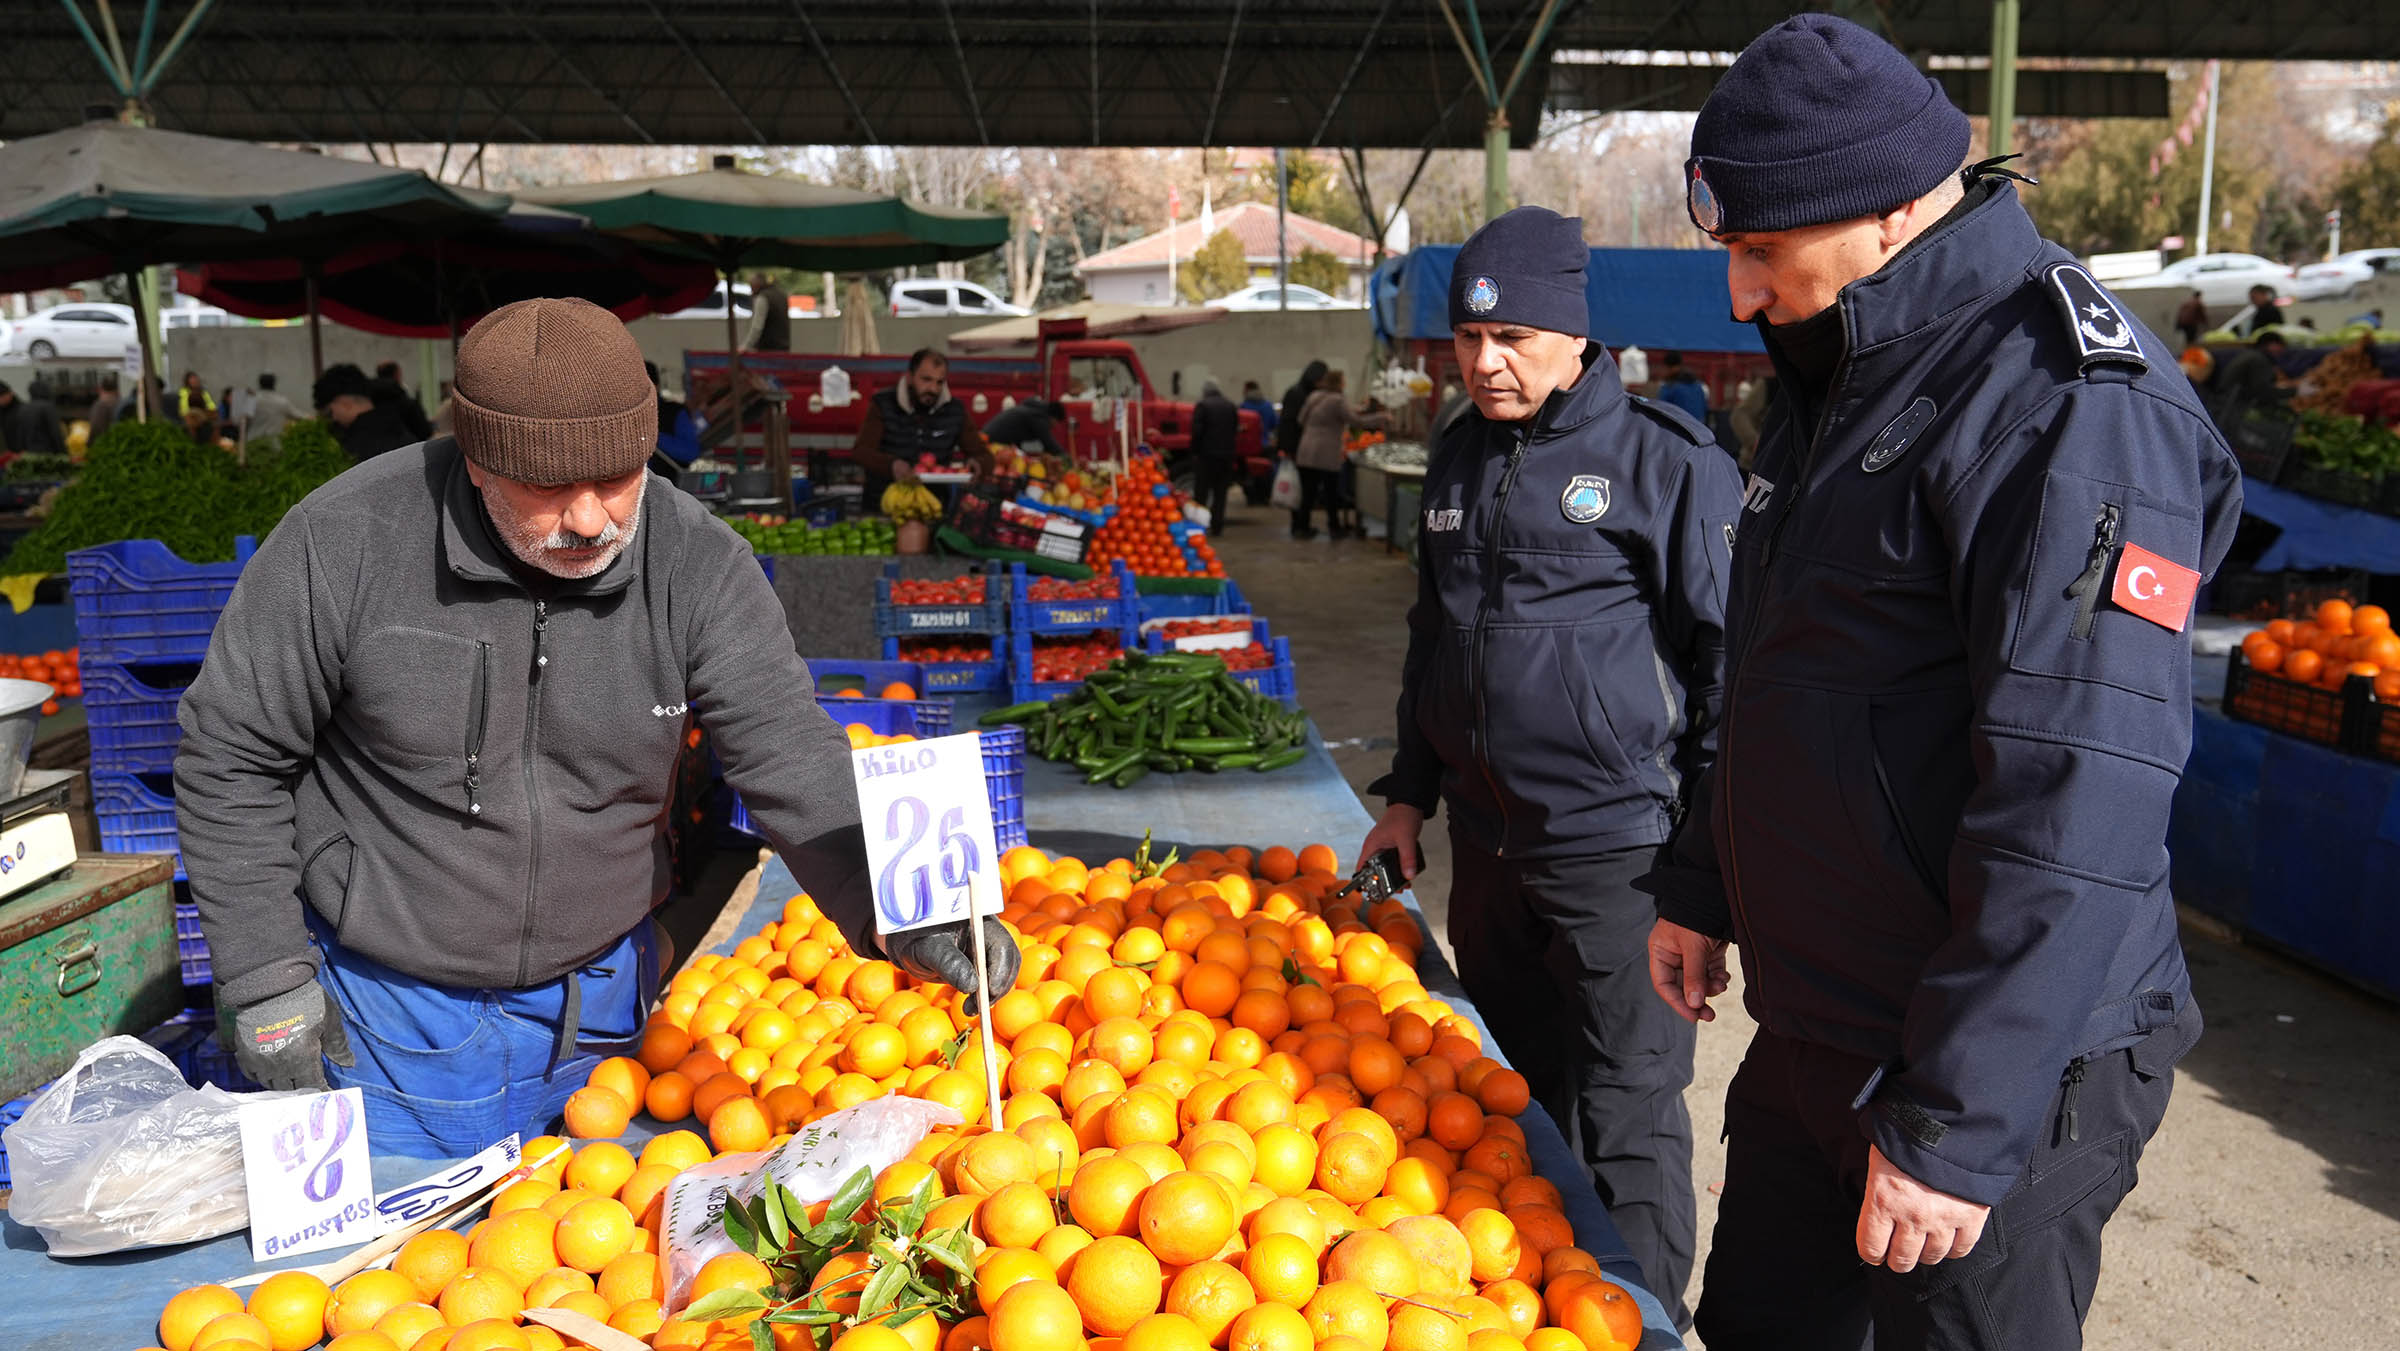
(375, 1253)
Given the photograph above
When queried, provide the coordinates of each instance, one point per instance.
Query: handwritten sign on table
(305, 1161)
(928, 817)
(407, 1205)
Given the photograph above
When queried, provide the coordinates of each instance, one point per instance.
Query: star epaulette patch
(2103, 332)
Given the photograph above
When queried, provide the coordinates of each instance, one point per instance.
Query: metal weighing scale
(37, 840)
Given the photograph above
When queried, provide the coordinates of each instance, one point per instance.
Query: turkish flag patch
(2157, 590)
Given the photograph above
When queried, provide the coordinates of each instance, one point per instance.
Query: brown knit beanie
(553, 391)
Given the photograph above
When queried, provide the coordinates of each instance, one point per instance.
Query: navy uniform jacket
(1560, 691)
(1937, 822)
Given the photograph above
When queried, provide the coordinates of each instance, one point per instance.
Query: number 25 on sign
(928, 818)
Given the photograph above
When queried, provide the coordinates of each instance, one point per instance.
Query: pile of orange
(1231, 1118)
(2339, 642)
(898, 689)
(1138, 532)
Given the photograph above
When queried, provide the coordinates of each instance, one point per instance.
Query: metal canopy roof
(1000, 72)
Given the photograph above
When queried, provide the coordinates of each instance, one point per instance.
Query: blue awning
(1649, 298)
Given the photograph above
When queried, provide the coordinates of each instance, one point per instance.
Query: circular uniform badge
(1707, 212)
(1483, 295)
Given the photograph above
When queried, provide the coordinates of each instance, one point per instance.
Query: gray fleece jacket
(467, 780)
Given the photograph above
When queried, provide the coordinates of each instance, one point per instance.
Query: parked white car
(2220, 278)
(713, 306)
(88, 329)
(196, 316)
(1262, 295)
(932, 297)
(2340, 275)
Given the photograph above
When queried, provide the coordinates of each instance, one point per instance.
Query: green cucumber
(1280, 760)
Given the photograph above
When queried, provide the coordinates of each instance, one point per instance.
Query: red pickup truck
(1111, 404)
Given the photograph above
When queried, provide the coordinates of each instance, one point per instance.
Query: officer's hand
(1398, 829)
(903, 471)
(946, 952)
(284, 1042)
(1904, 1223)
(1687, 969)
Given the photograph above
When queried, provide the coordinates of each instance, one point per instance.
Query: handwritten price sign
(929, 831)
(305, 1161)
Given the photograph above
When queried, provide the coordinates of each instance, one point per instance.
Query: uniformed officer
(1560, 692)
(1957, 705)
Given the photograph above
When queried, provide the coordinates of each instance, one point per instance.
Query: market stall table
(114, 1301)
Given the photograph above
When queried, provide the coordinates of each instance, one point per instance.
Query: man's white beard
(538, 549)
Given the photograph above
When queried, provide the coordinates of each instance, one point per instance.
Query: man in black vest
(916, 417)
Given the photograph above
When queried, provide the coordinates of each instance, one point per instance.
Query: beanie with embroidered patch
(1524, 267)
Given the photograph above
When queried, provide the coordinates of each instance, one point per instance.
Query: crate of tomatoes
(2331, 677)
(976, 602)
(61, 671)
(1046, 667)
(954, 663)
(1056, 605)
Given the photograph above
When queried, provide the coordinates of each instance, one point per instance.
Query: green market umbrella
(736, 220)
(109, 197)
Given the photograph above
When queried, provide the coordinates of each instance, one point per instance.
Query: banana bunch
(905, 502)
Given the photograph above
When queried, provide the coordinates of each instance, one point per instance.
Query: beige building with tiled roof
(1136, 273)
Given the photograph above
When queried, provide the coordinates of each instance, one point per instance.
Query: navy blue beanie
(1818, 121)
(1525, 267)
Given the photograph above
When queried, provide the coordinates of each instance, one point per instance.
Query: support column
(2004, 76)
(1495, 165)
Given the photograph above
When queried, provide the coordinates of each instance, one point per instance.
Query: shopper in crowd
(1958, 697)
(395, 399)
(2263, 312)
(1326, 421)
(2191, 319)
(1255, 400)
(1748, 417)
(1558, 699)
(1030, 426)
(2251, 377)
(770, 315)
(365, 425)
(445, 409)
(424, 776)
(1678, 385)
(1216, 440)
(102, 415)
(913, 418)
(1287, 422)
(196, 408)
(270, 411)
(29, 424)
(2372, 319)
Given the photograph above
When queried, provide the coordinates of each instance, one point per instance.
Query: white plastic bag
(834, 387)
(122, 1153)
(1286, 492)
(812, 1165)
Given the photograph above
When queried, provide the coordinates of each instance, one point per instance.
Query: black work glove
(946, 952)
(284, 1042)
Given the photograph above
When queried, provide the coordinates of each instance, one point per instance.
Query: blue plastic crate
(14, 1109)
(1279, 681)
(766, 562)
(131, 711)
(135, 600)
(903, 621)
(867, 677)
(1052, 617)
(1004, 779)
(957, 677)
(190, 948)
(1226, 600)
(136, 814)
(1040, 691)
(884, 717)
(1094, 519)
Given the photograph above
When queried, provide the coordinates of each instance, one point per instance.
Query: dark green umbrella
(736, 220)
(110, 197)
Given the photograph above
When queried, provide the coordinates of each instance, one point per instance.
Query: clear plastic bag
(122, 1153)
(812, 1165)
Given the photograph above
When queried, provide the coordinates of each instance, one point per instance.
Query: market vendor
(1558, 698)
(1958, 700)
(424, 778)
(916, 417)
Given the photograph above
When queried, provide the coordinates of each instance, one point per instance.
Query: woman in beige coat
(1325, 421)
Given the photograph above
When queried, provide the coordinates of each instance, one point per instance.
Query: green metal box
(86, 955)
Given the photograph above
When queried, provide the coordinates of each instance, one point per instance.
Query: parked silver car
(85, 329)
(2344, 273)
(2220, 278)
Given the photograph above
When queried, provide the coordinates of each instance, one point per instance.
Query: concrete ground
(2268, 1212)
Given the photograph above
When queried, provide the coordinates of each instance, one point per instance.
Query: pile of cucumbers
(1167, 712)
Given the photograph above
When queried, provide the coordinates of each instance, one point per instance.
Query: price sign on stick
(305, 1162)
(929, 831)
(928, 817)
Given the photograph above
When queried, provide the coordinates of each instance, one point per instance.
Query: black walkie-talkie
(1378, 880)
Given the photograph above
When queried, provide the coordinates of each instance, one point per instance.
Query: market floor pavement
(2269, 1206)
